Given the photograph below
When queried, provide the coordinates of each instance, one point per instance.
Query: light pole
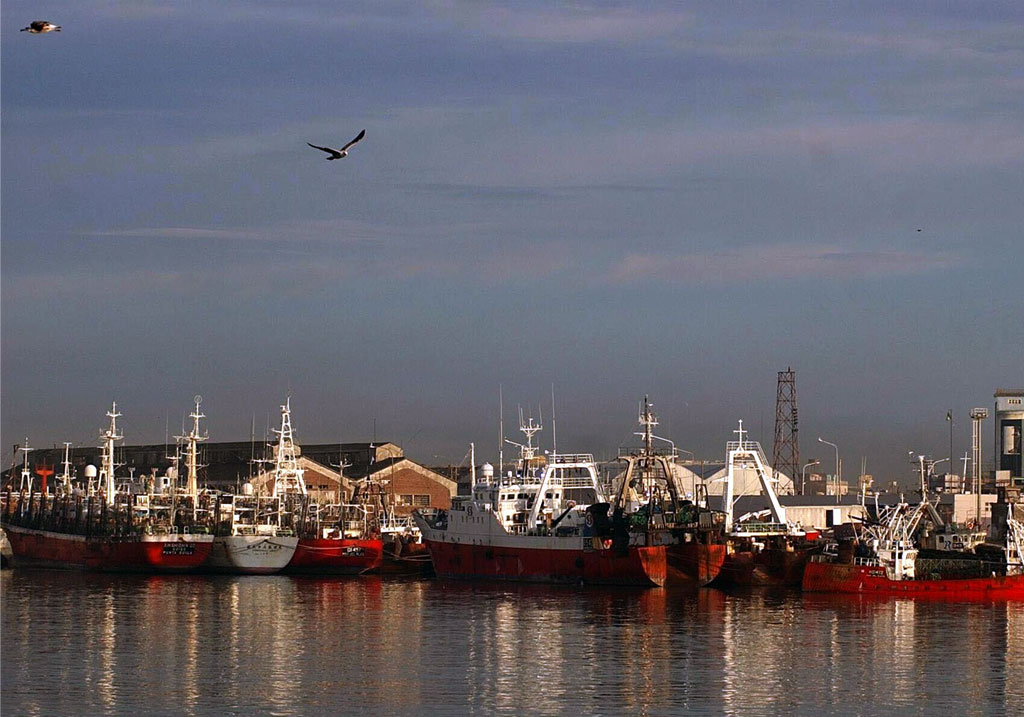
(839, 478)
(803, 475)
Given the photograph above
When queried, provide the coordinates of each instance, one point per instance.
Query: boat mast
(501, 435)
(287, 474)
(528, 452)
(554, 427)
(109, 437)
(648, 421)
(26, 474)
(192, 456)
(472, 469)
(66, 475)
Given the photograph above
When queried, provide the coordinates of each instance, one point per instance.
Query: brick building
(411, 485)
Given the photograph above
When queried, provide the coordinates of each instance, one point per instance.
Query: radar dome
(488, 470)
(90, 471)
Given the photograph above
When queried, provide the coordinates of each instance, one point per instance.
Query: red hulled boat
(165, 553)
(335, 539)
(106, 530)
(548, 522)
(884, 560)
(772, 552)
(823, 576)
(648, 498)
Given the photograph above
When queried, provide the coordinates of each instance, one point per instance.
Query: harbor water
(80, 643)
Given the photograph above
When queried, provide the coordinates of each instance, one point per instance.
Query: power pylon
(786, 453)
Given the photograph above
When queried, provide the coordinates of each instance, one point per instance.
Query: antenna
(252, 445)
(501, 435)
(554, 432)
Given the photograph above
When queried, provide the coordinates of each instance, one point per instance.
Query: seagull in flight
(339, 153)
(40, 26)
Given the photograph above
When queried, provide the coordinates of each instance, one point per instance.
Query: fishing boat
(405, 553)
(764, 547)
(546, 521)
(649, 499)
(253, 534)
(336, 538)
(883, 558)
(100, 528)
(252, 537)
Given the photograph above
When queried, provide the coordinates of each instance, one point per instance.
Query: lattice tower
(786, 453)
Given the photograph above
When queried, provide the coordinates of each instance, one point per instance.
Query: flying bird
(40, 26)
(339, 153)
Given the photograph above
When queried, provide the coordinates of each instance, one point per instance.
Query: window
(422, 501)
(405, 499)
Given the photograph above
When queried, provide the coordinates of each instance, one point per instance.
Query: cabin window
(547, 495)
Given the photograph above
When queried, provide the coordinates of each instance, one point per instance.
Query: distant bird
(40, 26)
(919, 230)
(339, 153)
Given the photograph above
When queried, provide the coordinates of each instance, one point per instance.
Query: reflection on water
(95, 644)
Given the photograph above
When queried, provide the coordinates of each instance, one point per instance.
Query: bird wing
(325, 149)
(358, 137)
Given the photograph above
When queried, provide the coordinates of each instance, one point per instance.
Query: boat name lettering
(178, 549)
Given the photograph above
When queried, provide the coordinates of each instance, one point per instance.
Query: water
(76, 643)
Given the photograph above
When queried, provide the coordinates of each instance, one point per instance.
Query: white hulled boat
(251, 534)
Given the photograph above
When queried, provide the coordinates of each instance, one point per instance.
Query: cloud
(336, 231)
(173, 233)
(780, 261)
(577, 23)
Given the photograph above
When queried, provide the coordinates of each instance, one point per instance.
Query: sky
(593, 200)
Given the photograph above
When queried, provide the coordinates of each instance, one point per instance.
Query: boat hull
(406, 559)
(872, 579)
(336, 556)
(773, 566)
(694, 563)
(141, 553)
(637, 566)
(251, 554)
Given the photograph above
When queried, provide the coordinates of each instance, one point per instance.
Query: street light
(839, 479)
(803, 475)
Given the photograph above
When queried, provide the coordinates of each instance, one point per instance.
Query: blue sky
(616, 199)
